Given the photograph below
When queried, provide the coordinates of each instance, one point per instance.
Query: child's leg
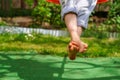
(83, 17)
(83, 46)
(75, 13)
(71, 23)
(75, 32)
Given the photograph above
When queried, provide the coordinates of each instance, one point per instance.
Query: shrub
(2, 23)
(47, 12)
(113, 17)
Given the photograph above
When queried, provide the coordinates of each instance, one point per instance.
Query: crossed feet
(75, 47)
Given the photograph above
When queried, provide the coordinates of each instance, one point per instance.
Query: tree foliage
(113, 21)
(114, 9)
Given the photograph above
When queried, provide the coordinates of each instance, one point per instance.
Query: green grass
(32, 66)
(49, 45)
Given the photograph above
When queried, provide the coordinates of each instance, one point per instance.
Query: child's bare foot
(83, 47)
(73, 49)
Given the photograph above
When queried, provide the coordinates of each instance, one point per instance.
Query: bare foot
(83, 47)
(73, 49)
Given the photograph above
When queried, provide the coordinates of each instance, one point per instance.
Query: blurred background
(26, 20)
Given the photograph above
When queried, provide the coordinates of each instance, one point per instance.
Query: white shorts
(82, 8)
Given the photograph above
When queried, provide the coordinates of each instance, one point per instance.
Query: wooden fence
(8, 4)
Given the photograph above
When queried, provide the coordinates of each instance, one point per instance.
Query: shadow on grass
(30, 69)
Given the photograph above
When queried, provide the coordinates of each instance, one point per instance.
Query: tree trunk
(35, 3)
(22, 4)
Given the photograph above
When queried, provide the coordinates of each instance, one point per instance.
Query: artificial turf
(33, 66)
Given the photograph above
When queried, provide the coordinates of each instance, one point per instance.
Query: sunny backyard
(34, 55)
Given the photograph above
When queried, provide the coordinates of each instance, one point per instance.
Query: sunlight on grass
(45, 44)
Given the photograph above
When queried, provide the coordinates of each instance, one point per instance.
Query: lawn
(49, 45)
(43, 57)
(31, 66)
